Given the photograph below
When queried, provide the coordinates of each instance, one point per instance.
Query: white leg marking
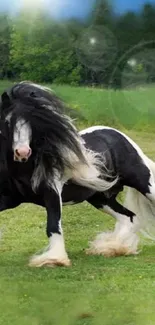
(54, 255)
(122, 241)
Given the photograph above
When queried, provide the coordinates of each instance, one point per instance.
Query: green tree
(43, 50)
(5, 26)
(148, 22)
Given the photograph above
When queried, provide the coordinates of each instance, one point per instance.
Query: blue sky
(123, 5)
(72, 8)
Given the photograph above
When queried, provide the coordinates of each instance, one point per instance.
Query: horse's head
(29, 120)
(37, 124)
(20, 107)
(19, 130)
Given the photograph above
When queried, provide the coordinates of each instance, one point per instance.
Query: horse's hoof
(37, 261)
(111, 251)
(52, 263)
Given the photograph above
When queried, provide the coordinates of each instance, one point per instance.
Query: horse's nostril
(23, 159)
(17, 153)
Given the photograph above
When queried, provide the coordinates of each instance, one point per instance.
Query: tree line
(104, 49)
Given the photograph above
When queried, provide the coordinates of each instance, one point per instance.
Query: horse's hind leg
(142, 179)
(123, 240)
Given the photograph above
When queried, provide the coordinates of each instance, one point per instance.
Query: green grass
(94, 290)
(129, 109)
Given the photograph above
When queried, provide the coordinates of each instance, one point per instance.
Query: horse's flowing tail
(143, 207)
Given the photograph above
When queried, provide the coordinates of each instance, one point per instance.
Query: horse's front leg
(55, 254)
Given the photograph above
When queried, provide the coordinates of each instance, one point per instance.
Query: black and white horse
(119, 156)
(40, 135)
(134, 169)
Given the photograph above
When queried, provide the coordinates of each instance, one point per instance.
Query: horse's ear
(6, 102)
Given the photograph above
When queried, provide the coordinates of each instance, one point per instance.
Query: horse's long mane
(54, 137)
(4, 144)
(25, 89)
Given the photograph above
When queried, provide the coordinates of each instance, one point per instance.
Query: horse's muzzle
(22, 153)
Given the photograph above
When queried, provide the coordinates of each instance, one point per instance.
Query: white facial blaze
(22, 134)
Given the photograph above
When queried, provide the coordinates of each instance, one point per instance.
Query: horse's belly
(73, 193)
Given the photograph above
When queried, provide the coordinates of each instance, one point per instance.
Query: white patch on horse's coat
(55, 254)
(122, 241)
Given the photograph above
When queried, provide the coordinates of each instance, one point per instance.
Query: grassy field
(94, 290)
